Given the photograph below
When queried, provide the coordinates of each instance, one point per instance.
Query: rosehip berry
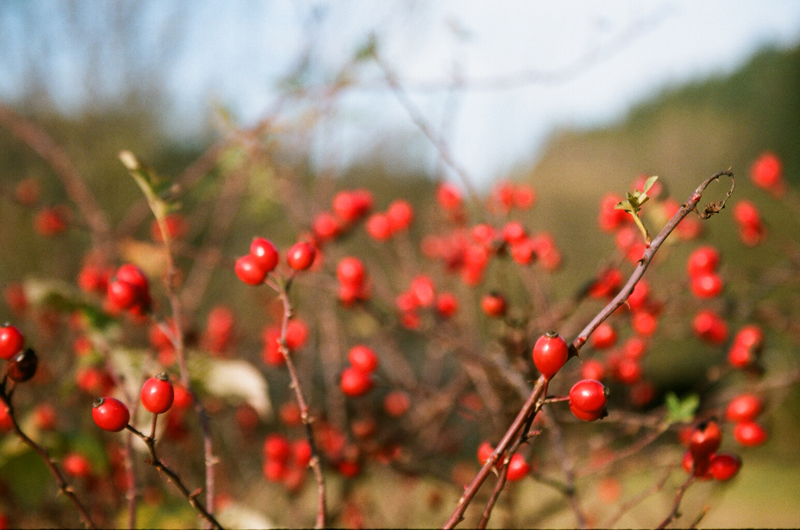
(607, 284)
(705, 440)
(700, 465)
(76, 465)
(750, 336)
(523, 252)
(483, 234)
(605, 336)
(177, 226)
(277, 448)
(593, 369)
(326, 226)
(446, 305)
(157, 394)
(110, 414)
(767, 173)
(524, 197)
(363, 358)
(274, 470)
(423, 290)
(300, 256)
(744, 407)
(644, 323)
(296, 334)
(628, 371)
(265, 253)
(610, 217)
(707, 285)
(493, 305)
(11, 341)
(378, 227)
(709, 327)
(248, 268)
(449, 196)
(396, 403)
(704, 260)
(354, 382)
(724, 466)
(350, 272)
(122, 295)
(23, 366)
(514, 232)
(550, 353)
(587, 400)
(750, 434)
(133, 275)
(485, 451)
(740, 356)
(400, 214)
(346, 206)
(518, 468)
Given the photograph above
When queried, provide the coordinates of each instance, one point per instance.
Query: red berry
(483, 234)
(122, 294)
(750, 434)
(644, 323)
(219, 329)
(518, 468)
(705, 440)
(363, 358)
(446, 304)
(700, 465)
(45, 417)
(767, 173)
(274, 470)
(706, 285)
(378, 227)
(133, 275)
(493, 305)
(485, 451)
(300, 256)
(350, 272)
(400, 214)
(740, 356)
(157, 394)
(396, 403)
(277, 448)
(524, 252)
(610, 218)
(449, 196)
(628, 371)
(265, 253)
(593, 369)
(248, 268)
(423, 290)
(724, 466)
(710, 327)
(347, 206)
(183, 398)
(702, 260)
(296, 334)
(11, 341)
(634, 348)
(110, 414)
(744, 407)
(550, 353)
(93, 279)
(326, 226)
(524, 197)
(177, 226)
(607, 284)
(76, 465)
(587, 400)
(50, 222)
(605, 336)
(514, 232)
(751, 337)
(355, 382)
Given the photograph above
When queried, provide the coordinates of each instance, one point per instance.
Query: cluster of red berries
(353, 281)
(157, 395)
(746, 347)
(507, 195)
(349, 207)
(253, 268)
(743, 411)
(702, 267)
(752, 230)
(421, 294)
(286, 461)
(702, 458)
(219, 329)
(296, 338)
(129, 290)
(22, 362)
(397, 218)
(176, 224)
(356, 379)
(94, 279)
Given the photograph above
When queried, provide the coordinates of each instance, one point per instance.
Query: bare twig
(674, 513)
(63, 487)
(172, 476)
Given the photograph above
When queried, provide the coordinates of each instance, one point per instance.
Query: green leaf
(681, 411)
(649, 183)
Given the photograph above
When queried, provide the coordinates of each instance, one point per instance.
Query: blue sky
(234, 52)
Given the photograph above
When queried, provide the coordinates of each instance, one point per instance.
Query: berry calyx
(265, 253)
(249, 269)
(550, 353)
(110, 414)
(300, 256)
(157, 394)
(587, 400)
(11, 341)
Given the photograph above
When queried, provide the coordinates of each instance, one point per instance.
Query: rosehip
(396, 403)
(550, 353)
(485, 451)
(355, 382)
(157, 394)
(378, 227)
(493, 305)
(750, 434)
(76, 465)
(518, 468)
(767, 173)
(300, 256)
(248, 268)
(11, 341)
(605, 336)
(593, 369)
(703, 260)
(705, 440)
(363, 358)
(587, 400)
(265, 253)
(400, 214)
(744, 407)
(110, 414)
(709, 327)
(724, 466)
(350, 271)
(277, 448)
(707, 285)
(446, 304)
